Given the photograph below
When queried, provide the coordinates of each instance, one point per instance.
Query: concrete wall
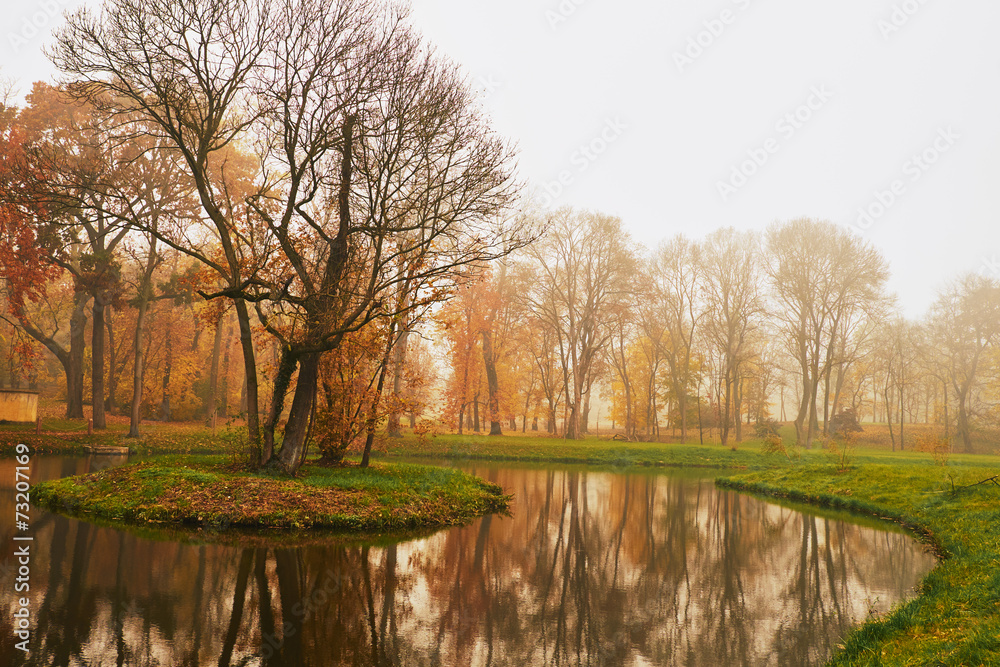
(18, 406)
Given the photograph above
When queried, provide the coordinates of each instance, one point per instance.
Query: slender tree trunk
(97, 365)
(165, 412)
(947, 422)
(801, 429)
(738, 404)
(398, 361)
(138, 366)
(902, 437)
(77, 344)
(223, 400)
(110, 406)
(252, 408)
(373, 410)
(701, 430)
(475, 412)
(727, 403)
(138, 353)
(213, 375)
(962, 423)
(888, 415)
(492, 384)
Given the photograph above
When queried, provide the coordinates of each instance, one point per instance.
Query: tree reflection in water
(591, 569)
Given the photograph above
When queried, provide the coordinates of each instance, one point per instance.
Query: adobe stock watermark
(711, 31)
(488, 86)
(35, 22)
(786, 128)
(23, 617)
(585, 155)
(912, 170)
(990, 268)
(562, 12)
(899, 17)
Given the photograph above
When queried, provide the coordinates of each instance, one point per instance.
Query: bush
(841, 450)
(773, 444)
(766, 428)
(845, 423)
(937, 446)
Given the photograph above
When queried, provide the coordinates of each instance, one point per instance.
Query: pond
(591, 568)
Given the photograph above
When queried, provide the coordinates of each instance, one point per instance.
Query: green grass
(956, 618)
(69, 436)
(205, 491)
(605, 452)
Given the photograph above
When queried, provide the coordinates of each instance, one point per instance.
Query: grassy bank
(956, 618)
(593, 451)
(69, 436)
(204, 491)
(750, 455)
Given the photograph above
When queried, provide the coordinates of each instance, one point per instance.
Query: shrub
(841, 450)
(845, 423)
(766, 428)
(937, 446)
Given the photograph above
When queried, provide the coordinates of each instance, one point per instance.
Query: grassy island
(199, 491)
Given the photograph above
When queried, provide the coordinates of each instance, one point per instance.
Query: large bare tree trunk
(283, 378)
(294, 444)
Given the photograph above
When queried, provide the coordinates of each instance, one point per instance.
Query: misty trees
(821, 278)
(376, 177)
(965, 321)
(584, 262)
(734, 304)
(431, 191)
(150, 59)
(676, 280)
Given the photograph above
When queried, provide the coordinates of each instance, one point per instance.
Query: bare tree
(821, 276)
(677, 281)
(965, 322)
(584, 263)
(734, 303)
(376, 174)
(184, 69)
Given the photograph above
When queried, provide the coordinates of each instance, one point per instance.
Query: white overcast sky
(888, 80)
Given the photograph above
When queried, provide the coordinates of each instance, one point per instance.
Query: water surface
(592, 568)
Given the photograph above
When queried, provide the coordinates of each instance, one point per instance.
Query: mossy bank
(205, 491)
